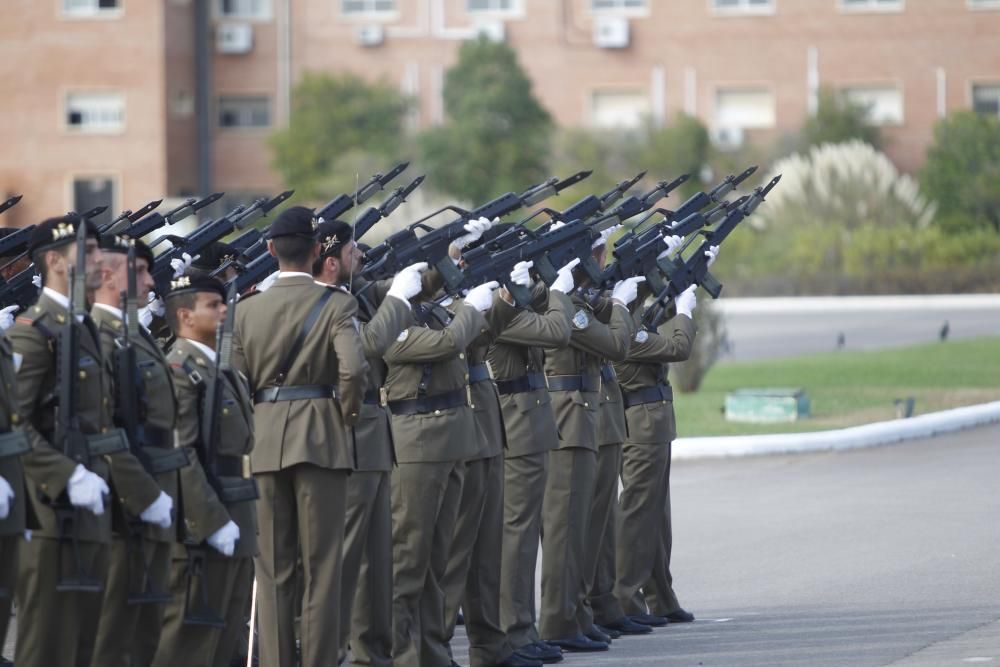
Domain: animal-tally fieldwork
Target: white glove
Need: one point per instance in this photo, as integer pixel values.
(27, 536)
(7, 317)
(556, 225)
(475, 229)
(672, 243)
(627, 290)
(266, 283)
(87, 490)
(181, 264)
(224, 539)
(406, 284)
(6, 496)
(712, 253)
(605, 235)
(36, 280)
(155, 305)
(158, 512)
(686, 301)
(145, 317)
(481, 296)
(521, 275)
(564, 279)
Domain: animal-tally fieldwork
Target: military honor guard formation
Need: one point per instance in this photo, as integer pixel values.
(266, 443)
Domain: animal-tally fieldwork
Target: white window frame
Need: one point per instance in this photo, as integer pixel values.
(516, 10)
(91, 12)
(266, 13)
(871, 7)
(744, 88)
(620, 9)
(99, 129)
(845, 88)
(370, 13)
(972, 91)
(982, 5)
(744, 9)
(225, 97)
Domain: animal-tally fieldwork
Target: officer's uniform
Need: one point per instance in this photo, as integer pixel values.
(227, 581)
(434, 432)
(641, 555)
(574, 379)
(517, 361)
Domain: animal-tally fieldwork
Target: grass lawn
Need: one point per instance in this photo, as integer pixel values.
(851, 388)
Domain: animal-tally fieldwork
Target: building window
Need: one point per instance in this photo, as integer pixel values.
(618, 5)
(621, 109)
(986, 99)
(871, 5)
(245, 9)
(492, 6)
(95, 112)
(743, 6)
(367, 7)
(984, 4)
(884, 103)
(91, 7)
(744, 109)
(244, 111)
(92, 191)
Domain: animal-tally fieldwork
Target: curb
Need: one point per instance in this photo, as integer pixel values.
(855, 437)
(843, 304)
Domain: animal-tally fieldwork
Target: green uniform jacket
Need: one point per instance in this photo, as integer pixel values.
(442, 435)
(611, 421)
(591, 341)
(311, 430)
(161, 408)
(204, 513)
(647, 366)
(485, 399)
(10, 420)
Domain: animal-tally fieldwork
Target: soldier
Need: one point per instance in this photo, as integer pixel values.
(299, 346)
(194, 308)
(67, 496)
(384, 311)
(574, 379)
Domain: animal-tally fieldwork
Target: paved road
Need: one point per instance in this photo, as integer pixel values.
(887, 556)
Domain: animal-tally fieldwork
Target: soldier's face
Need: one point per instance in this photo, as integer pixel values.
(350, 260)
(143, 281)
(209, 310)
(93, 263)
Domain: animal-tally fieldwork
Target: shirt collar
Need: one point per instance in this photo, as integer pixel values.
(111, 309)
(204, 349)
(61, 299)
(295, 274)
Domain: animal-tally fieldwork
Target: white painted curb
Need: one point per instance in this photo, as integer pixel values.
(843, 304)
(869, 435)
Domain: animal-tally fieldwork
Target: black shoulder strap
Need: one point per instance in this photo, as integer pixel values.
(301, 338)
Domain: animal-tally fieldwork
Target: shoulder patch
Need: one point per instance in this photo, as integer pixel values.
(641, 336)
(581, 320)
(403, 335)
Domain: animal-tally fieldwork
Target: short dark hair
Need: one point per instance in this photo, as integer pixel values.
(174, 303)
(38, 257)
(295, 250)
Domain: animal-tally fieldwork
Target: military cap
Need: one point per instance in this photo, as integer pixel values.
(333, 235)
(212, 257)
(112, 243)
(57, 232)
(195, 283)
(294, 221)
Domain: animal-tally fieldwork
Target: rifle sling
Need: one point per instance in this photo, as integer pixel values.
(307, 326)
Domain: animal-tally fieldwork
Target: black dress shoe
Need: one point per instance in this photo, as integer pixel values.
(515, 660)
(627, 626)
(597, 635)
(614, 634)
(650, 620)
(679, 616)
(541, 651)
(578, 644)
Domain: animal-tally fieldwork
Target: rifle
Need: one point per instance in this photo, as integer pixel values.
(11, 202)
(367, 220)
(682, 273)
(343, 203)
(15, 243)
(127, 217)
(141, 225)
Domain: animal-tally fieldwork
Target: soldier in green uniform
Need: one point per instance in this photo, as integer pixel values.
(299, 346)
(366, 588)
(194, 308)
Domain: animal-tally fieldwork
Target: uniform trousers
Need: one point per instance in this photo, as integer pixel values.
(9, 545)
(659, 590)
(366, 593)
(600, 604)
(300, 511)
(425, 498)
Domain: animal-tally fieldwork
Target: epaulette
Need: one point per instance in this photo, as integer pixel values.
(35, 317)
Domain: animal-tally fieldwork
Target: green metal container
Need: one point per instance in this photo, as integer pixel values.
(767, 405)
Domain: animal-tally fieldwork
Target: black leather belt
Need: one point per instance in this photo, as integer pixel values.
(529, 382)
(661, 392)
(608, 373)
(478, 373)
(299, 393)
(14, 443)
(417, 406)
(372, 397)
(228, 466)
(574, 383)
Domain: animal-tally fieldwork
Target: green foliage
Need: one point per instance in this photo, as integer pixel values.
(837, 120)
(497, 135)
(679, 148)
(340, 126)
(707, 348)
(962, 171)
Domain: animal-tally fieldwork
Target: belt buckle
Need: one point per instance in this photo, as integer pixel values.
(246, 467)
(383, 397)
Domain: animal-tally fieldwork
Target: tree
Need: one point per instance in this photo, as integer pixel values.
(679, 148)
(963, 169)
(496, 138)
(340, 126)
(838, 120)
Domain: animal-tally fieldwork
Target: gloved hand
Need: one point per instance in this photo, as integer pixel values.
(686, 301)
(406, 284)
(672, 243)
(556, 225)
(87, 490)
(6, 496)
(266, 283)
(564, 281)
(521, 275)
(181, 264)
(36, 280)
(155, 305)
(475, 229)
(158, 512)
(481, 296)
(7, 317)
(224, 539)
(712, 253)
(605, 235)
(627, 290)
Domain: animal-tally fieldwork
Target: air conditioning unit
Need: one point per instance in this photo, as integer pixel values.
(727, 138)
(370, 35)
(234, 38)
(611, 32)
(495, 31)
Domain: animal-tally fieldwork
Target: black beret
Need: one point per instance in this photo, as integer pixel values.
(211, 258)
(294, 221)
(333, 235)
(112, 243)
(57, 232)
(195, 283)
